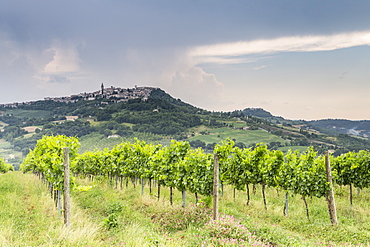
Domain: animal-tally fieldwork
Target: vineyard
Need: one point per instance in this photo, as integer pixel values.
(191, 171)
(5, 167)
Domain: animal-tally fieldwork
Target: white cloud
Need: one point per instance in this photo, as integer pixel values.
(175, 72)
(58, 63)
(226, 51)
(260, 67)
(65, 60)
(222, 60)
(196, 86)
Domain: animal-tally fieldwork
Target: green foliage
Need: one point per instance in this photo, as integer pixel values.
(5, 167)
(165, 123)
(11, 132)
(342, 127)
(198, 174)
(247, 137)
(161, 116)
(44, 105)
(24, 145)
(256, 112)
(304, 174)
(352, 143)
(178, 166)
(183, 168)
(91, 163)
(272, 166)
(69, 128)
(168, 167)
(197, 144)
(48, 156)
(115, 207)
(111, 222)
(311, 175)
(175, 166)
(352, 168)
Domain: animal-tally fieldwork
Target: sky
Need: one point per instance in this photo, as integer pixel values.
(297, 59)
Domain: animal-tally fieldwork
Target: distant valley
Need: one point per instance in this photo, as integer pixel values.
(359, 128)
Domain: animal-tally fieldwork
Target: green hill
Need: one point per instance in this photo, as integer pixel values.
(103, 120)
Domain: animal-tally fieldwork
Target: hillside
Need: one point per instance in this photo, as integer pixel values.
(359, 128)
(342, 126)
(108, 116)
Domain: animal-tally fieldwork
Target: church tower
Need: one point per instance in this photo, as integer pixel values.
(102, 88)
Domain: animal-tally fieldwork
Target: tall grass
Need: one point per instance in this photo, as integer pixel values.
(105, 216)
(295, 229)
(28, 216)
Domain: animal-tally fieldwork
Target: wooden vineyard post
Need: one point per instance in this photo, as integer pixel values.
(330, 196)
(183, 195)
(286, 204)
(215, 187)
(59, 205)
(142, 186)
(67, 201)
(171, 195)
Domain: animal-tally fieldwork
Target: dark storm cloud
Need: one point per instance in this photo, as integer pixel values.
(81, 43)
(163, 23)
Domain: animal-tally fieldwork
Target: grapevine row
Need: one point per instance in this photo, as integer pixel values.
(186, 169)
(5, 167)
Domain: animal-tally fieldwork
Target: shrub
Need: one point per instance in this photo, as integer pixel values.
(175, 219)
(116, 207)
(228, 231)
(111, 222)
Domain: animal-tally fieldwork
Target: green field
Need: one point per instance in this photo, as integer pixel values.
(6, 149)
(105, 216)
(28, 113)
(7, 152)
(299, 148)
(248, 137)
(2, 125)
(95, 141)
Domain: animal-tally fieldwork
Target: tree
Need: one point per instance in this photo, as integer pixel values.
(197, 144)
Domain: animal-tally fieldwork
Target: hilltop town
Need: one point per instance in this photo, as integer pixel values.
(114, 93)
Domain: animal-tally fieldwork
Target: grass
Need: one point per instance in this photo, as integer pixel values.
(272, 226)
(105, 216)
(125, 216)
(28, 216)
(295, 229)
